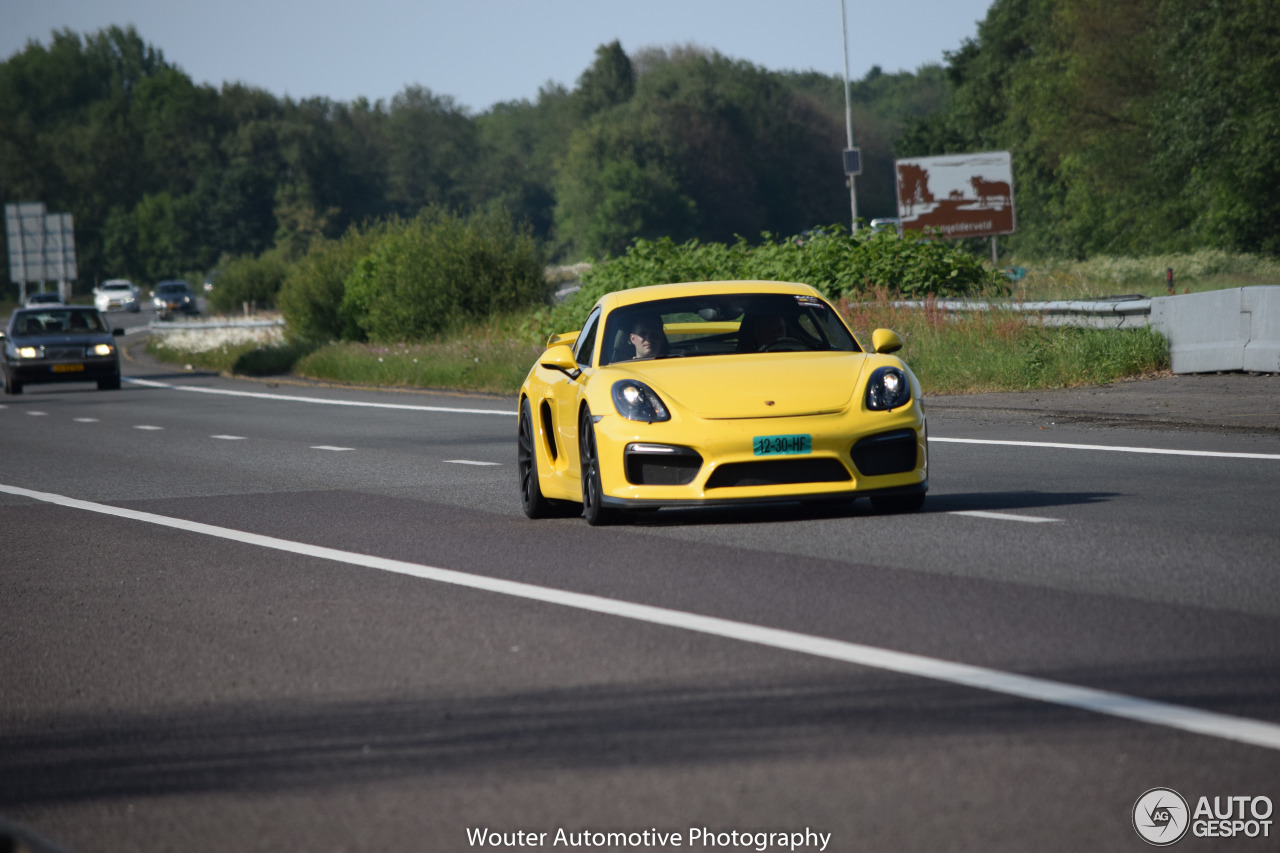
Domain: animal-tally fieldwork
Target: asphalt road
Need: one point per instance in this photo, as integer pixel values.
(256, 616)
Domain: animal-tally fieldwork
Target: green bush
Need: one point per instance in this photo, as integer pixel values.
(311, 296)
(836, 262)
(439, 272)
(248, 280)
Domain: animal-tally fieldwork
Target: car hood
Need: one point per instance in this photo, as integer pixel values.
(62, 340)
(757, 385)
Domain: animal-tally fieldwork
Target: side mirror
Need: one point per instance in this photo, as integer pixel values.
(885, 341)
(560, 357)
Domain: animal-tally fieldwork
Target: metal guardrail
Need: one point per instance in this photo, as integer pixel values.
(1118, 312)
(195, 325)
(1230, 330)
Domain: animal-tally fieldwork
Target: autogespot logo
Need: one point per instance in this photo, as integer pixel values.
(1160, 816)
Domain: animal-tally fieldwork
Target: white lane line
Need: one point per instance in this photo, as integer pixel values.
(1002, 516)
(295, 399)
(457, 410)
(37, 414)
(229, 437)
(148, 427)
(1208, 723)
(1155, 450)
(327, 447)
(470, 462)
(86, 420)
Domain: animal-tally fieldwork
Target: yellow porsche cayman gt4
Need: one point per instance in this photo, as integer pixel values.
(717, 393)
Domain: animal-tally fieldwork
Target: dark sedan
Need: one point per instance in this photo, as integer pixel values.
(171, 296)
(60, 344)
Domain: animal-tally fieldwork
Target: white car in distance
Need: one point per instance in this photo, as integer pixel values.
(116, 294)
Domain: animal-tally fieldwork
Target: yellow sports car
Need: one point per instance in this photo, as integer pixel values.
(717, 393)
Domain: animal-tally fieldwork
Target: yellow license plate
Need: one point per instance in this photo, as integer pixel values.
(68, 368)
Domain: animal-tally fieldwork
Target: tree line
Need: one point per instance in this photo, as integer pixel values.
(1139, 127)
(1136, 127)
(165, 176)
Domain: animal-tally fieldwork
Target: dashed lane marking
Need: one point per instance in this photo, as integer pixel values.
(1002, 516)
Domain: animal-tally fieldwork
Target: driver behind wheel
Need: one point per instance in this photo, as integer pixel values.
(648, 337)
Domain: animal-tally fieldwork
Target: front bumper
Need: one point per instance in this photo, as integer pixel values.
(38, 371)
(118, 305)
(721, 467)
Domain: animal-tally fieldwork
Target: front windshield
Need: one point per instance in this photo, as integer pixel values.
(724, 324)
(65, 321)
(173, 289)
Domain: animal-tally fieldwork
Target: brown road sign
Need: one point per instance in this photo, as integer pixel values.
(957, 195)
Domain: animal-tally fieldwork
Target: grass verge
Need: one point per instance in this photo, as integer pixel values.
(1007, 351)
(951, 354)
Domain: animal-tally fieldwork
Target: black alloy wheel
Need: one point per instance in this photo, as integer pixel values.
(593, 509)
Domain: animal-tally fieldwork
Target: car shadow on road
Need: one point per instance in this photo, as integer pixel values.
(934, 503)
(1008, 501)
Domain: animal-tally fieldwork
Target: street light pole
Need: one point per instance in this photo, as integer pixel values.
(852, 164)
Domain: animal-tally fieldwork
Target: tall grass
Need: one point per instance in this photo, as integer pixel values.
(1003, 350)
(1194, 272)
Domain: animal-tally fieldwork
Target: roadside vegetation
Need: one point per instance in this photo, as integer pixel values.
(406, 242)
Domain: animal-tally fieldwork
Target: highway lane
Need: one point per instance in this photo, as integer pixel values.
(177, 691)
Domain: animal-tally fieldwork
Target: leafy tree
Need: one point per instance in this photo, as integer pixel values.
(430, 146)
(609, 81)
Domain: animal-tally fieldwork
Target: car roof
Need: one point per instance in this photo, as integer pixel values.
(636, 295)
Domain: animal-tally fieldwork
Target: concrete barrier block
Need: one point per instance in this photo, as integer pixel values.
(1207, 332)
(1262, 353)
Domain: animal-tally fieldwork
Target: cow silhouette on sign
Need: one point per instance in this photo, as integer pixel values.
(988, 191)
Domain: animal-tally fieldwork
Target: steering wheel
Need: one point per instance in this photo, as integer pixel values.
(783, 345)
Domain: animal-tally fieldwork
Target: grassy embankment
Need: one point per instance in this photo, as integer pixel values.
(996, 350)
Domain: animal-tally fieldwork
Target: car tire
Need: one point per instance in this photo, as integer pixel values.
(110, 384)
(593, 509)
(895, 504)
(531, 497)
(11, 385)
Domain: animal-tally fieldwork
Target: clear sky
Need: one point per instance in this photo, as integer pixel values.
(484, 51)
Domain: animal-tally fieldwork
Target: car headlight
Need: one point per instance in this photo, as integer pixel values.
(888, 389)
(636, 401)
(28, 352)
(103, 349)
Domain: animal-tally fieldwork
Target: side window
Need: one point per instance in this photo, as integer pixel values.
(587, 340)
